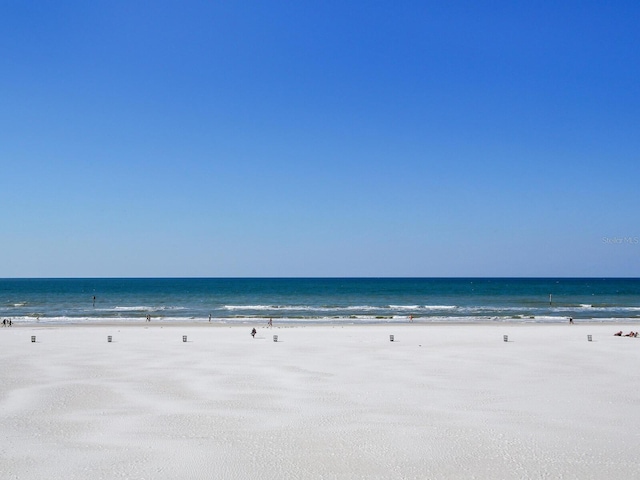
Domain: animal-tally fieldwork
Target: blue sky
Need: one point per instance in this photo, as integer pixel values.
(257, 138)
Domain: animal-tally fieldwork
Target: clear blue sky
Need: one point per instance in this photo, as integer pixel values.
(331, 138)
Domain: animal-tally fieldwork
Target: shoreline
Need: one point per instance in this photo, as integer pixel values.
(279, 323)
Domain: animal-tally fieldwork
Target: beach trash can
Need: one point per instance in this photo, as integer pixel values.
(33, 339)
(275, 338)
(589, 338)
(184, 338)
(505, 338)
(391, 338)
(109, 338)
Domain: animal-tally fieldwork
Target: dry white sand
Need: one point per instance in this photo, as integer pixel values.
(440, 402)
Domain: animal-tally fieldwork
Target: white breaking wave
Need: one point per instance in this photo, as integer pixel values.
(301, 308)
(266, 307)
(361, 308)
(133, 309)
(142, 308)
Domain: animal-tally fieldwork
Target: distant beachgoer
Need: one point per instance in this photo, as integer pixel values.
(253, 333)
(270, 323)
(411, 318)
(94, 300)
(209, 317)
(4, 322)
(630, 334)
(619, 334)
(10, 323)
(570, 320)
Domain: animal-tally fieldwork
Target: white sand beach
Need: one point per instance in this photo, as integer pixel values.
(324, 402)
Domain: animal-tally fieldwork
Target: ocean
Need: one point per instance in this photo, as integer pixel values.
(319, 300)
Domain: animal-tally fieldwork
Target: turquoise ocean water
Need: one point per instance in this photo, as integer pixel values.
(320, 300)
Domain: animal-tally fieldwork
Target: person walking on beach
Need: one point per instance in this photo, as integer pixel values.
(270, 323)
(253, 333)
(570, 320)
(209, 318)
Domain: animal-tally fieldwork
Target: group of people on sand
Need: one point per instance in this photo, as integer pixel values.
(254, 331)
(630, 334)
(6, 322)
